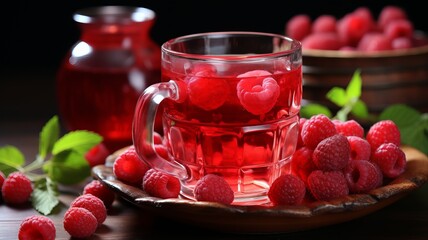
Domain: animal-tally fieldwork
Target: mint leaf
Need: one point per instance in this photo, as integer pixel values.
(11, 159)
(44, 197)
(401, 114)
(48, 136)
(338, 96)
(80, 141)
(353, 90)
(416, 135)
(313, 109)
(360, 110)
(67, 167)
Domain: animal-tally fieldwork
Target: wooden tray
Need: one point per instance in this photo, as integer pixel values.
(279, 219)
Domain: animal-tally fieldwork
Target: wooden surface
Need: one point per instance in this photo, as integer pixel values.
(405, 219)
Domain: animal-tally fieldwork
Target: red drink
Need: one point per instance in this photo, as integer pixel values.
(230, 103)
(250, 150)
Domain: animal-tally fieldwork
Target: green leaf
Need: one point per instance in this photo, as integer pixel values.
(48, 136)
(360, 110)
(313, 109)
(80, 141)
(401, 114)
(338, 96)
(68, 167)
(11, 159)
(45, 196)
(353, 90)
(416, 135)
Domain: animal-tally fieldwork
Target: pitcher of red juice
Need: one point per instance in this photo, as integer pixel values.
(231, 102)
(105, 72)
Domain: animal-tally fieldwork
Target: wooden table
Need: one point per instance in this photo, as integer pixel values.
(405, 219)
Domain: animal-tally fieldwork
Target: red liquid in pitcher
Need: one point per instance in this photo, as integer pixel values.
(101, 101)
(242, 126)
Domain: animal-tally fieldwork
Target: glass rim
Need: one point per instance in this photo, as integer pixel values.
(113, 14)
(296, 46)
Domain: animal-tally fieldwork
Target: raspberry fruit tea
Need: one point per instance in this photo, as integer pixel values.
(231, 108)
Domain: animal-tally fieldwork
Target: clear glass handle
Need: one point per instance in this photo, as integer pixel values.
(143, 127)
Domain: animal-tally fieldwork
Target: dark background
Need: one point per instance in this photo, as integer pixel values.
(36, 35)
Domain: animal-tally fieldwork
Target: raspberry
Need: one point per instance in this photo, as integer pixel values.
(362, 176)
(161, 150)
(16, 189)
(360, 148)
(97, 155)
(326, 186)
(204, 90)
(287, 189)
(298, 27)
(37, 227)
(384, 131)
(316, 129)
(213, 188)
(96, 188)
(332, 153)
(352, 27)
(161, 185)
(322, 41)
(349, 128)
(257, 91)
(2, 177)
(390, 159)
(324, 23)
(401, 43)
(399, 28)
(93, 204)
(129, 168)
(302, 164)
(80, 222)
(375, 41)
(390, 13)
(366, 13)
(299, 137)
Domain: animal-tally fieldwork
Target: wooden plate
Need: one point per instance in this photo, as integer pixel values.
(279, 219)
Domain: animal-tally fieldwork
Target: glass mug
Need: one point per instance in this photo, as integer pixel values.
(230, 103)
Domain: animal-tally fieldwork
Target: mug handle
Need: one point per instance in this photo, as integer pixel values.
(143, 126)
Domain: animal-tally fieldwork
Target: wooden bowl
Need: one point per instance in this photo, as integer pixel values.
(389, 77)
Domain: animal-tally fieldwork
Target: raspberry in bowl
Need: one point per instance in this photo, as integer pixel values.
(390, 53)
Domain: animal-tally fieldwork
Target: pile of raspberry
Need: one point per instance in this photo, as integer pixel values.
(335, 158)
(358, 30)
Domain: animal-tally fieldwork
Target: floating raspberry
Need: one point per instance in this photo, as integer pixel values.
(161, 185)
(332, 153)
(96, 188)
(390, 159)
(302, 164)
(129, 168)
(316, 129)
(360, 148)
(213, 188)
(16, 189)
(97, 155)
(257, 91)
(207, 91)
(384, 131)
(326, 186)
(80, 222)
(287, 189)
(362, 176)
(349, 128)
(298, 27)
(37, 227)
